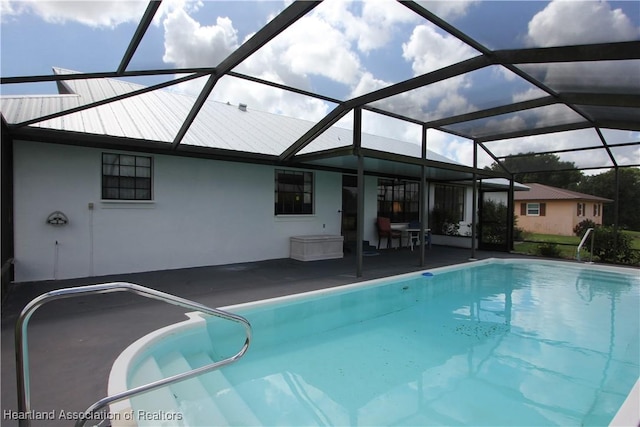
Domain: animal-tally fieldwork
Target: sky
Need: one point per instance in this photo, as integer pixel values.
(372, 44)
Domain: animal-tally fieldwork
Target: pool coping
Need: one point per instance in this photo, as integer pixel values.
(628, 413)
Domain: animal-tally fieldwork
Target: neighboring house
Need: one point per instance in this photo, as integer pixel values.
(104, 191)
(550, 210)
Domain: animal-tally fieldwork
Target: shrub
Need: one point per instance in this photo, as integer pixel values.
(583, 226)
(445, 223)
(494, 221)
(519, 234)
(613, 247)
(550, 250)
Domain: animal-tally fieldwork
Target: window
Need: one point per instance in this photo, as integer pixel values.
(533, 209)
(581, 209)
(596, 209)
(126, 177)
(399, 200)
(294, 192)
(449, 199)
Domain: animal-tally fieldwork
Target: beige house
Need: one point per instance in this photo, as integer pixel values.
(550, 210)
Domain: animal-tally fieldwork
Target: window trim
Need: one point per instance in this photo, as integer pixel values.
(530, 208)
(312, 192)
(120, 201)
(542, 208)
(461, 206)
(404, 201)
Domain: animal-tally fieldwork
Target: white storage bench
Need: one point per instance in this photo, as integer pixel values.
(316, 247)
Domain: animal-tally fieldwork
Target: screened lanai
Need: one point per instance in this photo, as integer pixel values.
(478, 81)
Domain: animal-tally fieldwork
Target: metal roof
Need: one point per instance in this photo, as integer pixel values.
(590, 84)
(546, 192)
(157, 116)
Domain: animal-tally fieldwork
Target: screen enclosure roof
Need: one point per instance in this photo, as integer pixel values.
(575, 96)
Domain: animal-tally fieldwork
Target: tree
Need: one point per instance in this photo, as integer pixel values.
(542, 169)
(604, 185)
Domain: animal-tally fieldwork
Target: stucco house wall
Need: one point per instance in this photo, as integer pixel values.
(560, 218)
(560, 209)
(204, 212)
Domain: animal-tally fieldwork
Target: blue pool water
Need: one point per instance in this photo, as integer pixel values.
(502, 343)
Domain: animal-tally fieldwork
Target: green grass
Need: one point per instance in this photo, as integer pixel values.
(635, 242)
(567, 245)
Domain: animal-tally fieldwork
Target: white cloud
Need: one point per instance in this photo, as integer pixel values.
(381, 19)
(292, 58)
(189, 44)
(531, 93)
(368, 83)
(370, 30)
(568, 23)
(429, 50)
(90, 13)
(448, 9)
(572, 22)
(303, 49)
(10, 9)
(451, 146)
(300, 53)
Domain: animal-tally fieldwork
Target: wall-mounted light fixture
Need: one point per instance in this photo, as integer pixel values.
(57, 218)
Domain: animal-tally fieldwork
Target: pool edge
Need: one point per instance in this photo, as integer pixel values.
(627, 415)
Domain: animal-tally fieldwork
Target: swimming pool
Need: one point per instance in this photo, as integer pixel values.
(494, 342)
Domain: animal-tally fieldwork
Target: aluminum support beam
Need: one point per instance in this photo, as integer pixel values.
(567, 150)
(407, 85)
(357, 150)
(336, 114)
(195, 109)
(276, 26)
(474, 202)
(423, 202)
(146, 20)
(531, 132)
(107, 100)
(590, 52)
(510, 211)
(491, 112)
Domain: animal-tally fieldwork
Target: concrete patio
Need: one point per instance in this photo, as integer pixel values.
(73, 342)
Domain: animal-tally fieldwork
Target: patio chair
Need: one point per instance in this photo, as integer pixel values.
(383, 226)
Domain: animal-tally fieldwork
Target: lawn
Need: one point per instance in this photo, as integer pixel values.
(567, 245)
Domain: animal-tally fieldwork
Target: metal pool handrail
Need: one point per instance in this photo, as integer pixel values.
(583, 241)
(22, 354)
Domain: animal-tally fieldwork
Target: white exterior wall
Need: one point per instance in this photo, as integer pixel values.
(204, 212)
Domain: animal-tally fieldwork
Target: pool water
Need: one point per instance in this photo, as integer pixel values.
(501, 343)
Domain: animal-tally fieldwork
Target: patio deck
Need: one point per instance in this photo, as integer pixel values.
(74, 342)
